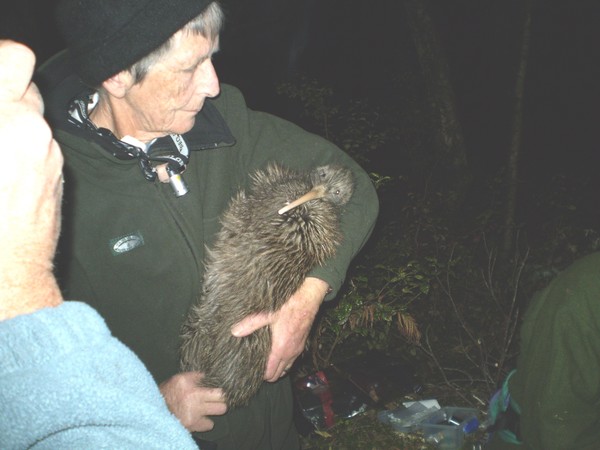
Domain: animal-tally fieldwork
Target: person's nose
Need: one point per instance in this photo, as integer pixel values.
(209, 83)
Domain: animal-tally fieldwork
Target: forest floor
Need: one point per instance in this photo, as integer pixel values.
(365, 431)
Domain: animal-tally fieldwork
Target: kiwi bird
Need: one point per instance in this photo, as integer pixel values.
(272, 235)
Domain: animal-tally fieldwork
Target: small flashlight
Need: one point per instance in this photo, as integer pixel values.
(177, 182)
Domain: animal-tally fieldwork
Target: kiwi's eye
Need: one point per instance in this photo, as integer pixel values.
(337, 192)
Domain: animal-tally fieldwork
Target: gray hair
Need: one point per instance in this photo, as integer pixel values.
(209, 24)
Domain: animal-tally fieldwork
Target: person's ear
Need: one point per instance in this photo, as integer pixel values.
(119, 84)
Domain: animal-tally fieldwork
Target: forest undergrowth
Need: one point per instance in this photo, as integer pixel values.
(436, 287)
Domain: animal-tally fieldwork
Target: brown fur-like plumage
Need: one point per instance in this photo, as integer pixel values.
(259, 259)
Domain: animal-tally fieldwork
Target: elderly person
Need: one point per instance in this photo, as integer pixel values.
(65, 382)
(154, 150)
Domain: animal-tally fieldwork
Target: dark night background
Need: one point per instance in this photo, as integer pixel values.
(361, 48)
(365, 51)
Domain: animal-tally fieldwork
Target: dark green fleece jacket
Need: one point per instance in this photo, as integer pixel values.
(134, 251)
(557, 382)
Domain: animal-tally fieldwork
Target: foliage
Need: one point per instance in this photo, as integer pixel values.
(315, 99)
(355, 125)
(431, 284)
(370, 308)
(430, 292)
(364, 432)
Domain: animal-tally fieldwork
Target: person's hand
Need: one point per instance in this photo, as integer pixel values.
(30, 189)
(290, 326)
(193, 404)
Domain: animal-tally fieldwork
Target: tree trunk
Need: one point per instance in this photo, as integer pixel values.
(449, 135)
(514, 150)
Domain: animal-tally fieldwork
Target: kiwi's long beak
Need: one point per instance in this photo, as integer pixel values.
(316, 192)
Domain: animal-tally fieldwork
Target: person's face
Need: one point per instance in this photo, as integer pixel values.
(174, 90)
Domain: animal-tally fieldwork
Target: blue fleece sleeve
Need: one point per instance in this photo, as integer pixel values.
(65, 382)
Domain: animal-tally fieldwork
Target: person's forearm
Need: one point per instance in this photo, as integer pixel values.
(317, 288)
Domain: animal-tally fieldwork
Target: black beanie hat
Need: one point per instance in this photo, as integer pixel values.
(105, 37)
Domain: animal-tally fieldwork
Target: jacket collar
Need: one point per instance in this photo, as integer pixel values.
(209, 131)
